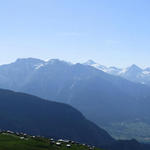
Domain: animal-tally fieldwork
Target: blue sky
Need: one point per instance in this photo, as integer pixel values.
(111, 32)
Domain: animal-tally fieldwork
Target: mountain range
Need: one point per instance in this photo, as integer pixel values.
(112, 102)
(133, 73)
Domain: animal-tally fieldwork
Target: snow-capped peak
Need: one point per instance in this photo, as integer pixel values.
(90, 62)
(96, 65)
(51, 62)
(134, 68)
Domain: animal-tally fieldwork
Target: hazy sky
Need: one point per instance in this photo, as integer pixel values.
(111, 32)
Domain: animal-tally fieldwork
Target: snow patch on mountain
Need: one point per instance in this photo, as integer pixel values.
(39, 66)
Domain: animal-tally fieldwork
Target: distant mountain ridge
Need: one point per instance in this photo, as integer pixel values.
(132, 73)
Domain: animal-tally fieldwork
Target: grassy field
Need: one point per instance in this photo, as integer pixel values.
(17, 142)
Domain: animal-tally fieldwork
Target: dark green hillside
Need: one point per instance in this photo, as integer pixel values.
(20, 141)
